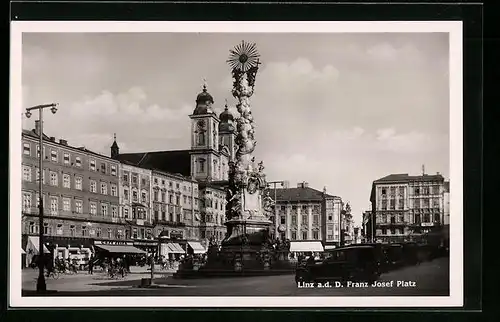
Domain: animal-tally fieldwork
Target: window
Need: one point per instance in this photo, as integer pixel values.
(384, 191)
(113, 170)
(329, 237)
(393, 191)
(103, 167)
(66, 204)
(125, 194)
(143, 181)
(47, 229)
(170, 199)
(184, 198)
(125, 177)
(92, 165)
(304, 235)
(26, 149)
(384, 231)
(93, 186)
(163, 197)
(401, 218)
(104, 188)
(177, 200)
(436, 218)
(78, 161)
(179, 218)
(93, 208)
(114, 211)
(294, 208)
(72, 230)
(294, 220)
(401, 204)
(427, 217)
(66, 181)
(59, 229)
(26, 173)
(315, 234)
(104, 209)
(110, 233)
(435, 203)
(425, 190)
(79, 206)
(303, 208)
(53, 156)
(32, 227)
(201, 165)
(163, 215)
(316, 209)
(330, 217)
(53, 178)
(425, 203)
(26, 202)
(66, 159)
(384, 204)
(177, 186)
(134, 179)
(417, 191)
(125, 213)
(201, 137)
(155, 195)
(135, 196)
(436, 190)
(98, 232)
(155, 180)
(134, 233)
(417, 219)
(156, 214)
(316, 219)
(114, 190)
(78, 183)
(54, 205)
(143, 197)
(393, 220)
(84, 231)
(304, 220)
(393, 204)
(294, 235)
(119, 233)
(417, 203)
(393, 231)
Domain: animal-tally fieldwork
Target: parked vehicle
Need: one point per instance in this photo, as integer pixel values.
(350, 263)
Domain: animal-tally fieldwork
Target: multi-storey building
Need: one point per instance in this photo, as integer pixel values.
(446, 196)
(80, 196)
(368, 227)
(207, 161)
(306, 214)
(135, 205)
(405, 206)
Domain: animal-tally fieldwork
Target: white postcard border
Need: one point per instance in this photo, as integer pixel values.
(454, 28)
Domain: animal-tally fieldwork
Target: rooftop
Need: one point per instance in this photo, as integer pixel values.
(399, 177)
(172, 162)
(298, 194)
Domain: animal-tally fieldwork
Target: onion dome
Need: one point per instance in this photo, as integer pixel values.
(203, 102)
(226, 116)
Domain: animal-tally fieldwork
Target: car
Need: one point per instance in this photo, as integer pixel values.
(351, 263)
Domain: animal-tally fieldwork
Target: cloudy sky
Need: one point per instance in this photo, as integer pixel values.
(336, 110)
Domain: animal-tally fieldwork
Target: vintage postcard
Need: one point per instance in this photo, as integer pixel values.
(236, 164)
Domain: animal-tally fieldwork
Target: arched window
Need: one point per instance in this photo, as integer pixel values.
(201, 165)
(201, 137)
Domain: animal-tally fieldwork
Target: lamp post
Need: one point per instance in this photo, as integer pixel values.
(274, 183)
(41, 286)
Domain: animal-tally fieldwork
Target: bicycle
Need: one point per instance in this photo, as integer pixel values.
(53, 273)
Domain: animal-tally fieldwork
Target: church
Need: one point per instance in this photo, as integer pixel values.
(207, 161)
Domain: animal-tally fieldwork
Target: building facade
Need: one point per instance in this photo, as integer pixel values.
(80, 196)
(304, 213)
(406, 206)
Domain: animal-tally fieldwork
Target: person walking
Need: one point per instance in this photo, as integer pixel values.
(91, 264)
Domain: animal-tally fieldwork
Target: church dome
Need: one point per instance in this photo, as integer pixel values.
(204, 97)
(226, 116)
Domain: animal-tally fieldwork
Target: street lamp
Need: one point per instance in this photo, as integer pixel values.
(41, 286)
(274, 183)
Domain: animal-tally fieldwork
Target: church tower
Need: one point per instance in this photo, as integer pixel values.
(115, 150)
(205, 154)
(227, 133)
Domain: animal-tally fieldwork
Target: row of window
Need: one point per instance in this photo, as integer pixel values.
(417, 203)
(305, 235)
(303, 208)
(171, 184)
(416, 190)
(163, 195)
(162, 216)
(304, 220)
(66, 181)
(54, 157)
(67, 205)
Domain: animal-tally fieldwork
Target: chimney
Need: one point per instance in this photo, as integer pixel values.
(37, 127)
(63, 142)
(52, 139)
(437, 173)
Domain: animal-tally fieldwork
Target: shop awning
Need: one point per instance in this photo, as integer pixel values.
(175, 248)
(33, 243)
(306, 246)
(121, 249)
(22, 251)
(197, 247)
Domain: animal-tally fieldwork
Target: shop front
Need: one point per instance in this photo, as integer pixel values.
(303, 247)
(195, 247)
(32, 250)
(148, 246)
(76, 250)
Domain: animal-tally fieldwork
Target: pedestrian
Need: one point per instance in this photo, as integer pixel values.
(91, 264)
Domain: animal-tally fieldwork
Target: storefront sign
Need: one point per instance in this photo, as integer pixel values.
(145, 244)
(427, 224)
(113, 242)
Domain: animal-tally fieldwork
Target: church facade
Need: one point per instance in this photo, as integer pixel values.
(206, 162)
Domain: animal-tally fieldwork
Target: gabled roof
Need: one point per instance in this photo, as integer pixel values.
(177, 161)
(298, 194)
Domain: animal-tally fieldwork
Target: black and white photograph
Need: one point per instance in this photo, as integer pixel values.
(261, 164)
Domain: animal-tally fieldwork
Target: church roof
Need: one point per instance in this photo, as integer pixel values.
(176, 161)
